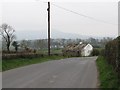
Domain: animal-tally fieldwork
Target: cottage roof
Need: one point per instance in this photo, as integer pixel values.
(75, 47)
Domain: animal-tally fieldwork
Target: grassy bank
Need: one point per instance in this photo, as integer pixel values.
(107, 76)
(0, 65)
(15, 63)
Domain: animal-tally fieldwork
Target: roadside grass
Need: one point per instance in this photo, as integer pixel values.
(15, 63)
(107, 76)
(0, 65)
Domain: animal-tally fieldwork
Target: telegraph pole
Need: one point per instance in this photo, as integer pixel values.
(48, 28)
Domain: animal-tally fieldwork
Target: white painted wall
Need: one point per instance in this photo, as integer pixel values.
(87, 50)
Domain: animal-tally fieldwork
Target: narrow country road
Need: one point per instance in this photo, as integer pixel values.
(78, 72)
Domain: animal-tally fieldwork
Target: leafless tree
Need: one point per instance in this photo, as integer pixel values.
(7, 33)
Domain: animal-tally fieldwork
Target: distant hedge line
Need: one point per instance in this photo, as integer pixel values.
(112, 54)
(24, 55)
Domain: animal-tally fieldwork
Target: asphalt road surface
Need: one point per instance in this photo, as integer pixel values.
(78, 72)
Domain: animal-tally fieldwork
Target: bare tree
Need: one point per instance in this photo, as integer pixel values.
(7, 33)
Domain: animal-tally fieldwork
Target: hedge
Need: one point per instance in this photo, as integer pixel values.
(112, 54)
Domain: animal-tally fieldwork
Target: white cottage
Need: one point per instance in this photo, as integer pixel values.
(78, 49)
(87, 50)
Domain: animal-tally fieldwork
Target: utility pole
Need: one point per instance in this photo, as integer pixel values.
(48, 28)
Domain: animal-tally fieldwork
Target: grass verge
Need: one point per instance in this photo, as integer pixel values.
(107, 76)
(15, 63)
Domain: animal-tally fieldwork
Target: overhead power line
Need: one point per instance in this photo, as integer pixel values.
(89, 17)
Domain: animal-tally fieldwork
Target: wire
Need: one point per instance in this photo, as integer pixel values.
(82, 15)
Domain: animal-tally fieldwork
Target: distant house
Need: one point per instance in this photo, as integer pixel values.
(87, 50)
(78, 49)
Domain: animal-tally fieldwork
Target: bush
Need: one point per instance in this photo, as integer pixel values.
(112, 54)
(95, 52)
(102, 52)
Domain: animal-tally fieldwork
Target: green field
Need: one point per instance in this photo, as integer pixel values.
(107, 76)
(15, 63)
(53, 51)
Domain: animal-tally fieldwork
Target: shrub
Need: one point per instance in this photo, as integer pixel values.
(102, 52)
(112, 54)
(95, 52)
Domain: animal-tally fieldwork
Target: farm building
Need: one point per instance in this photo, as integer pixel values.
(80, 49)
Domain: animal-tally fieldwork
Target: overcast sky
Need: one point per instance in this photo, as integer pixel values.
(33, 16)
